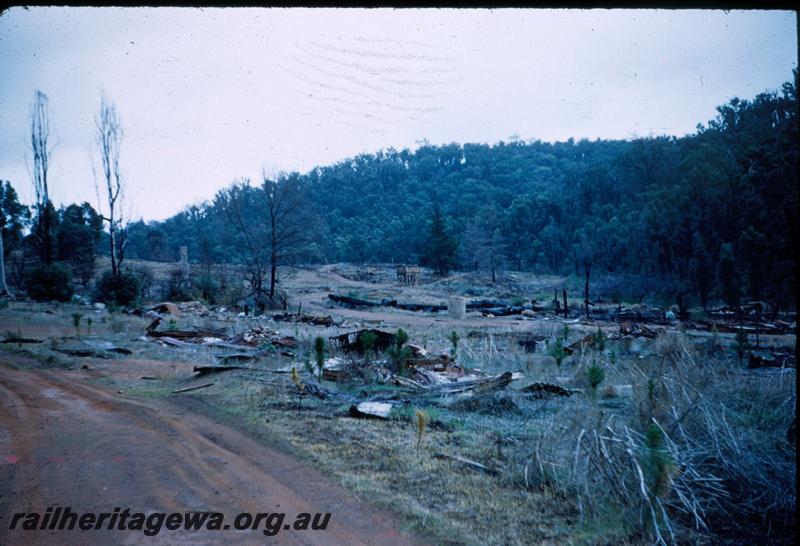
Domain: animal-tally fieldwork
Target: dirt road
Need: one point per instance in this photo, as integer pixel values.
(64, 442)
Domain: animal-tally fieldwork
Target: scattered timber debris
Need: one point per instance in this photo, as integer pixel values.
(306, 319)
(770, 359)
(766, 328)
(251, 340)
(628, 328)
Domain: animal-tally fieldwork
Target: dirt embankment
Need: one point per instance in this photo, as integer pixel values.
(64, 442)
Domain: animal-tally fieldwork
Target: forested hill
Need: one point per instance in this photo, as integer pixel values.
(711, 212)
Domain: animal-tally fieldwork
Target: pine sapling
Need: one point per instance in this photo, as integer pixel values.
(557, 351)
(367, 338)
(76, 322)
(319, 354)
(454, 342)
(600, 340)
(596, 374)
(741, 343)
(398, 352)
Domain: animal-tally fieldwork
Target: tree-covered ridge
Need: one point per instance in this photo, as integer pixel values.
(675, 211)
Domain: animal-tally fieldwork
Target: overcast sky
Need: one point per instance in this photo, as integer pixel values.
(207, 96)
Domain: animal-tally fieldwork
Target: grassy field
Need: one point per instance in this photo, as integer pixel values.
(669, 447)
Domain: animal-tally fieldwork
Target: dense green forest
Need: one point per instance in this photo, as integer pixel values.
(709, 216)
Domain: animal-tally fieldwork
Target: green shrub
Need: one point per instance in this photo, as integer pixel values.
(557, 351)
(207, 289)
(120, 290)
(367, 338)
(595, 374)
(600, 340)
(454, 342)
(50, 282)
(398, 352)
(178, 287)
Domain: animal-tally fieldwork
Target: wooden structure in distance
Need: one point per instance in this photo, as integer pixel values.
(408, 274)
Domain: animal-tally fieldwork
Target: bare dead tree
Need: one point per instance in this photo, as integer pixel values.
(4, 291)
(239, 204)
(41, 150)
(108, 138)
(289, 222)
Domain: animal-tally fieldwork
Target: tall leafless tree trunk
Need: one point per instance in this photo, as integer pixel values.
(289, 224)
(108, 137)
(40, 150)
(237, 202)
(4, 291)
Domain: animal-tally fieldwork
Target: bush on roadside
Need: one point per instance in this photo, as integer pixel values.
(120, 290)
(50, 283)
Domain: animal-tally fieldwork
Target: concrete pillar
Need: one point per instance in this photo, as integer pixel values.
(184, 250)
(457, 307)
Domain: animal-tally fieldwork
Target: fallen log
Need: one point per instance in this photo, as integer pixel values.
(198, 387)
(541, 390)
(476, 305)
(186, 334)
(207, 370)
(307, 319)
(466, 462)
(503, 311)
(15, 339)
(353, 302)
(426, 307)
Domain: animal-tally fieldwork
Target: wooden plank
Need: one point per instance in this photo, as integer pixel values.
(466, 462)
(198, 387)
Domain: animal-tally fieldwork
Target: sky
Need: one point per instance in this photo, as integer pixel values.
(209, 96)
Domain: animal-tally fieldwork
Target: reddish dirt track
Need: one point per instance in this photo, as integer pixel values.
(64, 442)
